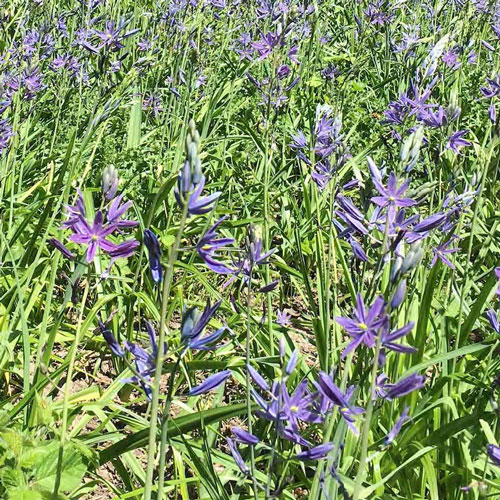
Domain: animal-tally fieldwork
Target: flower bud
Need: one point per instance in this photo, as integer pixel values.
(492, 113)
(185, 178)
(109, 182)
(197, 174)
(282, 347)
(413, 258)
(399, 295)
(192, 127)
(192, 153)
(405, 149)
(396, 268)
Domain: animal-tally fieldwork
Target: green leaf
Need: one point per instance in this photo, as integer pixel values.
(72, 470)
(179, 426)
(469, 349)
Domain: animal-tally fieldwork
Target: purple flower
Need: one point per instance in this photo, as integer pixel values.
(493, 89)
(391, 436)
(282, 72)
(266, 44)
(197, 204)
(94, 236)
(117, 210)
(333, 394)
(210, 383)
(298, 406)
(113, 344)
(434, 120)
(493, 319)
(451, 60)
(238, 459)
(283, 318)
(257, 378)
(154, 251)
(111, 36)
(388, 340)
(193, 325)
(399, 295)
(62, 248)
(493, 452)
(145, 363)
(244, 437)
(365, 325)
(456, 141)
(404, 386)
(392, 196)
(269, 287)
(441, 251)
(209, 244)
(316, 453)
(5, 135)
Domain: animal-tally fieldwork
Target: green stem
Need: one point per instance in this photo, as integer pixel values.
(69, 377)
(366, 425)
(248, 382)
(148, 486)
(164, 427)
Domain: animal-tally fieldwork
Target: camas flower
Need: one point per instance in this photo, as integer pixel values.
(493, 452)
(365, 325)
(401, 388)
(441, 251)
(154, 250)
(316, 453)
(238, 459)
(391, 436)
(193, 325)
(283, 318)
(457, 141)
(333, 394)
(197, 204)
(209, 244)
(96, 235)
(393, 195)
(493, 319)
(145, 362)
(109, 337)
(244, 437)
(210, 383)
(389, 338)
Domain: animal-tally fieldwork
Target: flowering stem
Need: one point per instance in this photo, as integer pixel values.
(148, 486)
(369, 410)
(366, 425)
(329, 426)
(164, 426)
(248, 394)
(69, 377)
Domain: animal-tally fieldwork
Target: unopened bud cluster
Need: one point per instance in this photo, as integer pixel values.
(191, 174)
(410, 150)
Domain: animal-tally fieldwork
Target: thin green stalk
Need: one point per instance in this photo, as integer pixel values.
(69, 377)
(248, 382)
(148, 486)
(366, 425)
(164, 427)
